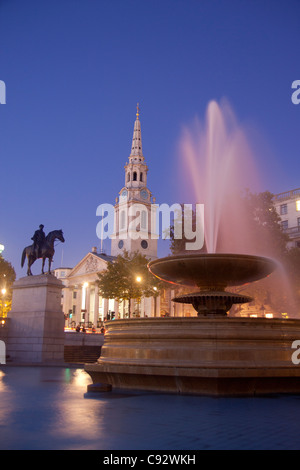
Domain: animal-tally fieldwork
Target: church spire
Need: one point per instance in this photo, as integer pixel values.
(136, 147)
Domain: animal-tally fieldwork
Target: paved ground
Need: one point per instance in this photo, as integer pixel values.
(48, 408)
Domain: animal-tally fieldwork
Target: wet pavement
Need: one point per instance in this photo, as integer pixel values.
(49, 408)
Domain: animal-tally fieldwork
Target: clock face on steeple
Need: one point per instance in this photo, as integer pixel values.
(144, 194)
(124, 193)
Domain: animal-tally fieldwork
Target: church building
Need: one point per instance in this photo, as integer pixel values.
(132, 232)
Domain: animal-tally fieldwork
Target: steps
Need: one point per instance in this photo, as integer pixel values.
(81, 354)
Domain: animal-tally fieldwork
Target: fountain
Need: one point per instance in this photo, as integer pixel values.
(212, 353)
(212, 273)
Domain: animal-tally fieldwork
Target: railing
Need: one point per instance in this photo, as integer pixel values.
(287, 195)
(293, 231)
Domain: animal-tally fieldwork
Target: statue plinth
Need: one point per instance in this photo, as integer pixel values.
(36, 330)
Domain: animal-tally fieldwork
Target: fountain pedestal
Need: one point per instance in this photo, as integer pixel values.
(36, 320)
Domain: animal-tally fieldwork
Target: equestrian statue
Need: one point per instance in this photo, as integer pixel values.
(42, 247)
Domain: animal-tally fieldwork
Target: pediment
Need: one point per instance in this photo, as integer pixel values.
(88, 265)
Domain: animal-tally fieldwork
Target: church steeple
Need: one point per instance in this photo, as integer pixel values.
(136, 147)
(136, 168)
(133, 209)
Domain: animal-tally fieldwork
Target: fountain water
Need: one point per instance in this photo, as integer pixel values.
(218, 165)
(211, 353)
(218, 160)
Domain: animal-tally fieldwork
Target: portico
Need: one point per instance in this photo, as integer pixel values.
(81, 302)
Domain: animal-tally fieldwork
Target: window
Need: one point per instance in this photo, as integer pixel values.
(134, 176)
(284, 224)
(141, 178)
(283, 209)
(74, 294)
(298, 205)
(128, 177)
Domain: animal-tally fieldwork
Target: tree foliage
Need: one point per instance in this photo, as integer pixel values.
(178, 245)
(7, 278)
(265, 222)
(128, 277)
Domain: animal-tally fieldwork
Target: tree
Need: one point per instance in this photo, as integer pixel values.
(128, 277)
(259, 232)
(7, 278)
(178, 245)
(265, 222)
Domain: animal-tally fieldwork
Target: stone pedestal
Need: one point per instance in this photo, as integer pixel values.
(36, 329)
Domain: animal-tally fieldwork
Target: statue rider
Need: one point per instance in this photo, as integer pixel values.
(38, 240)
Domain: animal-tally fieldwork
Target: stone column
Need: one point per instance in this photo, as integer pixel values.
(158, 306)
(105, 308)
(96, 305)
(87, 304)
(78, 305)
(116, 308)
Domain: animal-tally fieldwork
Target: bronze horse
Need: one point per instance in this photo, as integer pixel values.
(46, 251)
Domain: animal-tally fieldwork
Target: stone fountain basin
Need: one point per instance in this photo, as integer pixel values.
(212, 270)
(202, 355)
(220, 356)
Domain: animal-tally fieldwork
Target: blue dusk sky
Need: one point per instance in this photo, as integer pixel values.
(74, 71)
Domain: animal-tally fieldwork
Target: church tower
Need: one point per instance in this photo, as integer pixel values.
(135, 208)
